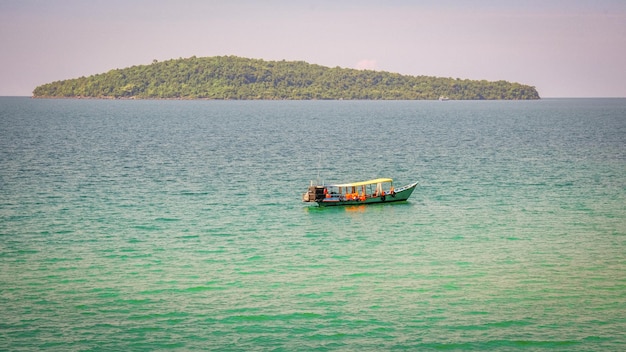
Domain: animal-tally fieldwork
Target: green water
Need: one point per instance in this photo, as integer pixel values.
(151, 225)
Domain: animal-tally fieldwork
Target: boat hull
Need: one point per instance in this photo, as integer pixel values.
(401, 194)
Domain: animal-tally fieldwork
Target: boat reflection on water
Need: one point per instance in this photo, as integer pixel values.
(355, 208)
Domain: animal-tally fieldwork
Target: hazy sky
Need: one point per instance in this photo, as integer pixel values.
(565, 48)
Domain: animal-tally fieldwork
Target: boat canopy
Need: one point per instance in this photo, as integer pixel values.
(362, 183)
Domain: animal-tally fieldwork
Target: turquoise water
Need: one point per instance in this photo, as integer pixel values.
(149, 225)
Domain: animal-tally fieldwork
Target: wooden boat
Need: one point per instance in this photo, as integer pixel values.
(379, 190)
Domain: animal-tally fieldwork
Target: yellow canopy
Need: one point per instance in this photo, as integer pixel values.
(362, 183)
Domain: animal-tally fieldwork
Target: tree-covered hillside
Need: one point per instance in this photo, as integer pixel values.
(230, 77)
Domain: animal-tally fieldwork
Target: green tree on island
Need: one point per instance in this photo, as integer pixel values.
(231, 77)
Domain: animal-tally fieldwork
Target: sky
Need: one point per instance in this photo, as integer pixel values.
(565, 48)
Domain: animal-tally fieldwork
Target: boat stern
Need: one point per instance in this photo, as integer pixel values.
(314, 194)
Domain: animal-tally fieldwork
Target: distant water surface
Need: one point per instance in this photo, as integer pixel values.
(150, 225)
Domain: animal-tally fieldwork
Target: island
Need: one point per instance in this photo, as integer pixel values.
(237, 78)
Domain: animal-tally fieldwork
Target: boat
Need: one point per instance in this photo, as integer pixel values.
(378, 190)
(443, 98)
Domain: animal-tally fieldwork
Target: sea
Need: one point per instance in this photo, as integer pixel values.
(136, 225)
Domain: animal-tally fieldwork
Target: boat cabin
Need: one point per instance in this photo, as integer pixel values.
(356, 191)
(360, 190)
